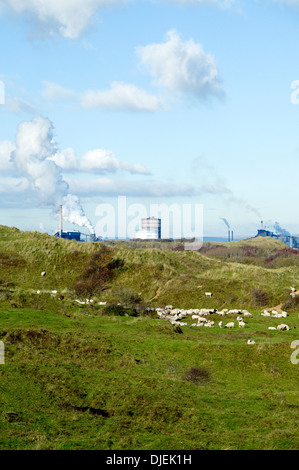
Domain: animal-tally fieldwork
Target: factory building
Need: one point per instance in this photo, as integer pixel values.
(150, 229)
(74, 234)
(289, 240)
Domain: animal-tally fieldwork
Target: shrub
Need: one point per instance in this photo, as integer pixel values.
(118, 310)
(259, 297)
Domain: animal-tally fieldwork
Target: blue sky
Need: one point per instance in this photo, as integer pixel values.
(161, 101)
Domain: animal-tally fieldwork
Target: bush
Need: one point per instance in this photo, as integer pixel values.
(259, 297)
(118, 310)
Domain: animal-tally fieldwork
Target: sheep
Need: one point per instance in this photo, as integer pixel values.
(230, 325)
(283, 327)
(208, 294)
(247, 314)
(202, 319)
(266, 314)
(241, 324)
(220, 324)
(43, 273)
(239, 319)
(200, 324)
(250, 341)
(271, 328)
(210, 324)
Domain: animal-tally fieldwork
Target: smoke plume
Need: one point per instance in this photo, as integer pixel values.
(226, 222)
(34, 150)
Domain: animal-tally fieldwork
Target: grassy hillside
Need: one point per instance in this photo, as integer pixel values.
(159, 275)
(77, 378)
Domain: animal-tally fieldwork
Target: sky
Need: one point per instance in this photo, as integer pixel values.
(180, 103)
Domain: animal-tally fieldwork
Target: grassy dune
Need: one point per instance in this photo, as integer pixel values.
(75, 378)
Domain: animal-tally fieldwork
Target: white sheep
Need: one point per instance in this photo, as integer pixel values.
(247, 314)
(271, 328)
(220, 324)
(250, 341)
(43, 273)
(208, 294)
(266, 314)
(283, 327)
(241, 324)
(230, 325)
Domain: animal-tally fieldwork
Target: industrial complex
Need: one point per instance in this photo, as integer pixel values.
(291, 241)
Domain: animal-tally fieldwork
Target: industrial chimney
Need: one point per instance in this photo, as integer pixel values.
(229, 235)
(232, 236)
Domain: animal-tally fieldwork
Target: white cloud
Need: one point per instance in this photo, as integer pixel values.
(70, 18)
(182, 66)
(95, 161)
(110, 187)
(6, 147)
(121, 96)
(53, 92)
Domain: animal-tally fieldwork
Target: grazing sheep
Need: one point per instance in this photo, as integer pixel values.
(271, 328)
(230, 325)
(200, 323)
(283, 327)
(202, 319)
(208, 294)
(43, 273)
(247, 314)
(266, 314)
(241, 324)
(239, 319)
(250, 341)
(220, 324)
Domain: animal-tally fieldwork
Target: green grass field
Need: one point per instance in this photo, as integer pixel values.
(75, 378)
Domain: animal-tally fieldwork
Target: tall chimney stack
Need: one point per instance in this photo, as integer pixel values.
(232, 236)
(60, 221)
(229, 235)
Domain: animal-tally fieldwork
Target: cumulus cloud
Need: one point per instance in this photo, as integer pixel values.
(182, 66)
(70, 18)
(121, 96)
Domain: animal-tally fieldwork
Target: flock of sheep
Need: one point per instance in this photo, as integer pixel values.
(176, 315)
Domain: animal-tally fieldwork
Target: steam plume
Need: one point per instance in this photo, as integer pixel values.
(35, 145)
(226, 222)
